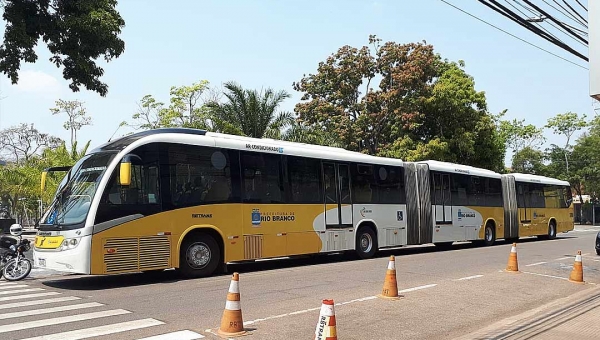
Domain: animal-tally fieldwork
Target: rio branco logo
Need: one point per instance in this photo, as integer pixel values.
(255, 217)
(468, 214)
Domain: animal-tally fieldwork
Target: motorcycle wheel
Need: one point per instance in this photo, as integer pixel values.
(14, 271)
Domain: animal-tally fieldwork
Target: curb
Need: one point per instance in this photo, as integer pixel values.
(536, 318)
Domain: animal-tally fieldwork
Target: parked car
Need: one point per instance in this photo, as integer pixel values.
(598, 243)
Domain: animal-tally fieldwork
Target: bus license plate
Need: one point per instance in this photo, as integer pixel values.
(42, 262)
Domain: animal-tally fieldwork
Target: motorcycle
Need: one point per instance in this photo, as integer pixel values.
(14, 266)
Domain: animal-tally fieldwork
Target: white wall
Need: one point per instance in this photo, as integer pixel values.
(594, 47)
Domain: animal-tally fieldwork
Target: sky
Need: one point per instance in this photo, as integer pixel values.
(269, 43)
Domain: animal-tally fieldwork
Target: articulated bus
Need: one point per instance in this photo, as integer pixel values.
(195, 201)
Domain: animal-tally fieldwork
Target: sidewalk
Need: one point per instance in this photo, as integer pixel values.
(573, 317)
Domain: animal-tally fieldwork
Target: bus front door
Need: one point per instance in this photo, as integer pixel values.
(338, 207)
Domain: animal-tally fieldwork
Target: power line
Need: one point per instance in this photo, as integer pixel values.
(514, 36)
(568, 15)
(537, 24)
(556, 21)
(574, 11)
(554, 25)
(580, 4)
(494, 5)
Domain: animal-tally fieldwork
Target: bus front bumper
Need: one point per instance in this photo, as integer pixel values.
(76, 260)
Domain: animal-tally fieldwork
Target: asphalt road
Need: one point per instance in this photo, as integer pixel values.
(445, 294)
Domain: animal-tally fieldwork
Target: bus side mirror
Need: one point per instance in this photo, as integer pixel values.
(43, 182)
(125, 168)
(125, 173)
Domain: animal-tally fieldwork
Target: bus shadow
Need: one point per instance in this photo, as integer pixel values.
(104, 282)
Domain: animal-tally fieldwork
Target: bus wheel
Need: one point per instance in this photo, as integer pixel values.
(200, 256)
(366, 243)
(552, 230)
(489, 238)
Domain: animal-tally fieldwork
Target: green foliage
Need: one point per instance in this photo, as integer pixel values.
(77, 116)
(519, 136)
(529, 161)
(77, 33)
(422, 106)
(187, 108)
(251, 113)
(567, 124)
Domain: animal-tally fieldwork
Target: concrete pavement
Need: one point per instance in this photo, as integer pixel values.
(446, 294)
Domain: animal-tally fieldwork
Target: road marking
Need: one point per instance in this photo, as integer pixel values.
(416, 288)
(100, 330)
(305, 311)
(13, 287)
(181, 335)
(535, 264)
(357, 300)
(49, 310)
(7, 284)
(562, 258)
(552, 276)
(586, 254)
(38, 302)
(6, 292)
(60, 320)
(18, 297)
(468, 278)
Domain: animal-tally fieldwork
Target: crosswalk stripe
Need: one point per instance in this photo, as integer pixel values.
(60, 320)
(38, 302)
(27, 296)
(7, 283)
(49, 310)
(180, 335)
(100, 330)
(13, 287)
(21, 291)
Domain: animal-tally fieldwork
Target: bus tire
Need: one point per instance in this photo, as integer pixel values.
(199, 256)
(552, 230)
(366, 243)
(489, 236)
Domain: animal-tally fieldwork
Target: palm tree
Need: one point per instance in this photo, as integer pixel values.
(250, 112)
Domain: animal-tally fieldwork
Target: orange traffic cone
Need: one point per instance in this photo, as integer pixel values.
(326, 326)
(390, 285)
(231, 322)
(577, 272)
(513, 265)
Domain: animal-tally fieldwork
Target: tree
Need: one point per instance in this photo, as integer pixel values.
(77, 116)
(149, 114)
(77, 33)
(251, 113)
(529, 161)
(20, 143)
(187, 108)
(519, 136)
(567, 124)
(400, 100)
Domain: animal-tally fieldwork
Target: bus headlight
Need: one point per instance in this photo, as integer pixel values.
(70, 243)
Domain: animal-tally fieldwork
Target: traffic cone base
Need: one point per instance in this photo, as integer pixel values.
(577, 272)
(390, 284)
(513, 265)
(232, 323)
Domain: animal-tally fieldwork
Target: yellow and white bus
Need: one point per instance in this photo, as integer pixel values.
(195, 200)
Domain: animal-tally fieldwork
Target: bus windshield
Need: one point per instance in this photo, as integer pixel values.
(76, 191)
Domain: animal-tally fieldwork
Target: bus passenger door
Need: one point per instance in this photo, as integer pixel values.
(445, 230)
(338, 207)
(443, 204)
(524, 207)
